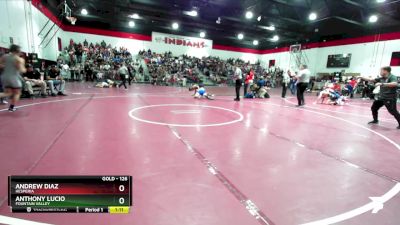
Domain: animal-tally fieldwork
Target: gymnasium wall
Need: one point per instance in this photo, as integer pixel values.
(367, 58)
(22, 22)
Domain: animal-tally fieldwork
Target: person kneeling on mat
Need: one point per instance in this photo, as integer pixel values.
(200, 92)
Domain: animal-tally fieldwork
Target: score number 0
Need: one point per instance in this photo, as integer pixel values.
(121, 188)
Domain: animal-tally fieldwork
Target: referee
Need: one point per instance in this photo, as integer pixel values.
(303, 79)
(387, 96)
(237, 77)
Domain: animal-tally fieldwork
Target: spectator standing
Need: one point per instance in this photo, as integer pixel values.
(353, 84)
(123, 73)
(132, 74)
(248, 81)
(285, 83)
(292, 84)
(88, 72)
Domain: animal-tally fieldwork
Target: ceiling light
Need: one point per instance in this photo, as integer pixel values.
(192, 13)
(84, 12)
(255, 42)
(271, 28)
(312, 16)
(175, 26)
(373, 18)
(240, 36)
(131, 23)
(249, 14)
(380, 1)
(275, 38)
(259, 18)
(134, 16)
(202, 34)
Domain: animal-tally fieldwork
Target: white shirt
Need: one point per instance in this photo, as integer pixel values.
(304, 76)
(107, 67)
(123, 70)
(65, 67)
(238, 74)
(286, 78)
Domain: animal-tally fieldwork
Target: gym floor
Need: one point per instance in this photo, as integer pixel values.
(210, 162)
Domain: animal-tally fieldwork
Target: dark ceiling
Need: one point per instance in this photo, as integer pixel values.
(337, 19)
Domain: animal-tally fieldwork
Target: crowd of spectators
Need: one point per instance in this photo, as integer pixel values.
(101, 61)
(165, 68)
(44, 77)
(90, 62)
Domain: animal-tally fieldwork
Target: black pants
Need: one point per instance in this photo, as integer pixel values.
(391, 106)
(131, 77)
(238, 85)
(367, 92)
(123, 78)
(89, 76)
(301, 88)
(284, 89)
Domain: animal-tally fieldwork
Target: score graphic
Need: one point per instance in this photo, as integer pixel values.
(70, 194)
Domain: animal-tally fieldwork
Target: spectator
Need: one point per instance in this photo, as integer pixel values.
(353, 84)
(248, 81)
(88, 72)
(123, 73)
(33, 78)
(285, 83)
(54, 79)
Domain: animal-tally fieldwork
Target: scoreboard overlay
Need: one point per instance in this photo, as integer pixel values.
(70, 194)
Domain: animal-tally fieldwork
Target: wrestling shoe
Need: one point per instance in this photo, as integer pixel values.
(373, 122)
